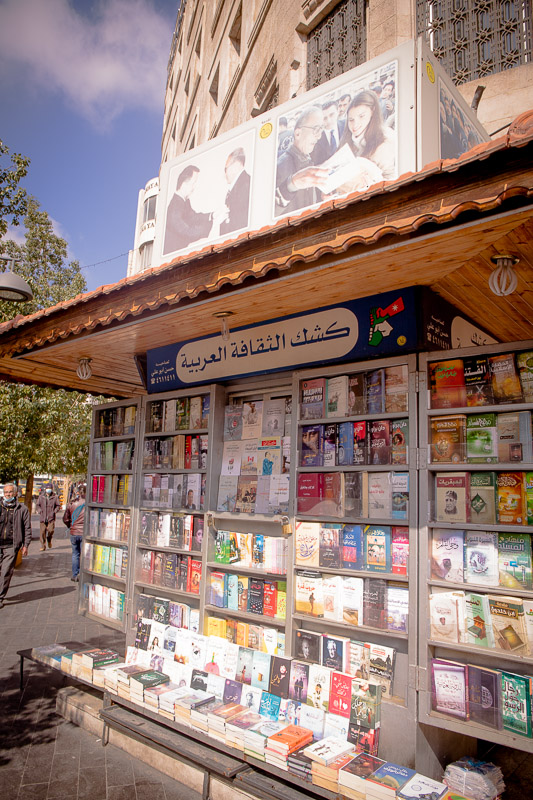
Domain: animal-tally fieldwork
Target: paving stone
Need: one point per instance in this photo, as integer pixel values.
(121, 792)
(33, 791)
(92, 784)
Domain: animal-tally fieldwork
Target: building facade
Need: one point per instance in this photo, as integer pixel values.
(232, 61)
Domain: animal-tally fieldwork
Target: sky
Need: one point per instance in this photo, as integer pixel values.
(82, 87)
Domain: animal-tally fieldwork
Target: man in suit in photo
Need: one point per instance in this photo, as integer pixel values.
(328, 143)
(238, 194)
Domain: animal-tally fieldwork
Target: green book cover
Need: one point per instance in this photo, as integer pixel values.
(516, 703)
(514, 555)
(478, 622)
(529, 497)
(481, 439)
(483, 495)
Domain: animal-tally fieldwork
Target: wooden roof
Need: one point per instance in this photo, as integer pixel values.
(438, 228)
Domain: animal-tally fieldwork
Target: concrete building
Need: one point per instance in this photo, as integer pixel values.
(231, 61)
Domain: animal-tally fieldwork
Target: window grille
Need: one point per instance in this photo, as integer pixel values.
(338, 43)
(475, 38)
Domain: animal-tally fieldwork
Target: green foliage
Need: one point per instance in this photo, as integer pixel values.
(41, 430)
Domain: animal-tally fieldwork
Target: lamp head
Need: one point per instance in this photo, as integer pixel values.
(12, 287)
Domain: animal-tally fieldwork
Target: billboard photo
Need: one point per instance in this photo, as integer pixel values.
(344, 141)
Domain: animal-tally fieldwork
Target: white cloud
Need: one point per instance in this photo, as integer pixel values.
(15, 233)
(103, 65)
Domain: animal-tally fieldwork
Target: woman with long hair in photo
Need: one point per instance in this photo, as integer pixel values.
(368, 137)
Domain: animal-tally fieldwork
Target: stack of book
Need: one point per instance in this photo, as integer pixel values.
(255, 738)
(420, 787)
(387, 780)
(300, 764)
(110, 677)
(168, 699)
(352, 776)
(200, 712)
(123, 678)
(84, 661)
(328, 756)
(184, 703)
(50, 654)
(153, 694)
(237, 726)
(218, 717)
(281, 744)
(143, 680)
(327, 775)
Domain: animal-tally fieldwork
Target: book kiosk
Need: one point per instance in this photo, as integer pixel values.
(292, 515)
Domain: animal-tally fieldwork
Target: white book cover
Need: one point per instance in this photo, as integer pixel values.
(352, 600)
(163, 530)
(444, 610)
(318, 686)
(528, 623)
(198, 655)
(249, 457)
(231, 458)
(379, 495)
(332, 592)
(274, 417)
(307, 541)
(447, 557)
(252, 419)
(335, 725)
(227, 492)
(313, 719)
(262, 495)
(278, 498)
(481, 558)
(337, 396)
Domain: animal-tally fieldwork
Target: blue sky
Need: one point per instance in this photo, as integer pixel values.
(81, 94)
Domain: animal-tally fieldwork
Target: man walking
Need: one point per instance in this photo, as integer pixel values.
(15, 533)
(47, 505)
(73, 518)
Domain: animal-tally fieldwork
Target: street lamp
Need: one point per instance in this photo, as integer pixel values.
(12, 287)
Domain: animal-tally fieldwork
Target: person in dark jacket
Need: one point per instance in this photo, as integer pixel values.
(47, 505)
(15, 533)
(74, 518)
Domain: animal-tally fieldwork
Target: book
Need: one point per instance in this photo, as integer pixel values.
(327, 750)
(252, 419)
(312, 439)
(360, 443)
(233, 422)
(354, 774)
(510, 498)
(478, 381)
(445, 609)
(231, 458)
(352, 547)
(352, 601)
(269, 456)
(379, 448)
(505, 380)
(307, 542)
(419, 787)
(484, 696)
(312, 398)
(481, 558)
(507, 617)
(452, 495)
(356, 494)
(379, 495)
(483, 496)
(388, 779)
(514, 436)
(246, 493)
(514, 557)
(516, 703)
(399, 432)
(273, 417)
(357, 394)
(318, 688)
(365, 707)
(377, 548)
(310, 492)
(335, 652)
(337, 396)
(340, 695)
(400, 495)
(308, 646)
(329, 445)
(524, 362)
(481, 439)
(345, 444)
(397, 603)
(261, 670)
(447, 384)
(400, 550)
(478, 625)
(375, 603)
(396, 388)
(308, 598)
(227, 492)
(375, 391)
(329, 553)
(449, 694)
(332, 594)
(280, 668)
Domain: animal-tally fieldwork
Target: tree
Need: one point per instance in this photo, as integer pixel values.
(41, 430)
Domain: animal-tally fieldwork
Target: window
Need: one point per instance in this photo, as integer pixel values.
(236, 31)
(145, 253)
(213, 89)
(337, 44)
(474, 38)
(149, 209)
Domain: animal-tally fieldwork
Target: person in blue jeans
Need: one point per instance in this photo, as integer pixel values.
(74, 518)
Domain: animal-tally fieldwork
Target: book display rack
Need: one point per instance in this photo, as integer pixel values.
(105, 556)
(476, 656)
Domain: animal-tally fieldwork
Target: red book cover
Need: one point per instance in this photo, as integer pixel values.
(310, 491)
(187, 560)
(270, 598)
(94, 495)
(340, 695)
(195, 575)
(359, 442)
(400, 550)
(101, 488)
(333, 494)
(447, 384)
(188, 452)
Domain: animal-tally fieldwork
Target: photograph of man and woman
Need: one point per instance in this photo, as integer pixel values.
(209, 195)
(457, 133)
(344, 141)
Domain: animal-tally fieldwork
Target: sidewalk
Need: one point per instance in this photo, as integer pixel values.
(41, 755)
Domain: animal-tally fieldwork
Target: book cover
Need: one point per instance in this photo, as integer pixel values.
(444, 624)
(377, 544)
(308, 646)
(375, 391)
(447, 384)
(375, 603)
(365, 707)
(252, 419)
(524, 362)
(356, 494)
(312, 398)
(319, 685)
(514, 551)
(400, 495)
(340, 693)
(481, 439)
(269, 456)
(507, 617)
(280, 669)
(478, 625)
(334, 652)
(273, 417)
(270, 593)
(483, 496)
(329, 546)
(332, 594)
(449, 688)
(419, 787)
(311, 444)
(261, 670)
(307, 542)
(380, 442)
(278, 495)
(299, 680)
(528, 493)
(484, 696)
(329, 445)
(452, 495)
(352, 601)
(357, 394)
(396, 388)
(400, 550)
(255, 596)
(231, 458)
(447, 439)
(514, 436)
(399, 429)
(355, 773)
(397, 608)
(309, 492)
(379, 495)
(227, 492)
(481, 558)
(246, 493)
(505, 380)
(352, 547)
(308, 598)
(360, 443)
(510, 497)
(337, 396)
(392, 777)
(516, 703)
(233, 422)
(478, 381)
(345, 444)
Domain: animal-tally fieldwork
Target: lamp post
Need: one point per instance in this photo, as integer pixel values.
(13, 288)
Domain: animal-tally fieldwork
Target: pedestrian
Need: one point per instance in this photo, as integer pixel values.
(47, 505)
(15, 533)
(73, 518)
